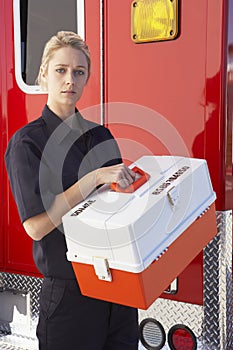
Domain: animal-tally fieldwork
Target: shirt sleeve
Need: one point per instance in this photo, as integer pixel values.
(107, 149)
(27, 175)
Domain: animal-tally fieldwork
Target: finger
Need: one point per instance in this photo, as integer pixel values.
(124, 174)
(123, 183)
(132, 173)
(129, 175)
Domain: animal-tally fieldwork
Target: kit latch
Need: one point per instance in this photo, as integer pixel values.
(102, 268)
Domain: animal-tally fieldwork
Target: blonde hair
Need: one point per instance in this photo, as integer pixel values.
(63, 39)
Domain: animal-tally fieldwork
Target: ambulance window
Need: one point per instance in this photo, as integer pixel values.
(34, 23)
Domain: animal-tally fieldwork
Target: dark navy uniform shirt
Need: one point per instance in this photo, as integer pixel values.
(43, 159)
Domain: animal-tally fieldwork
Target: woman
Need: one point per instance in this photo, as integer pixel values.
(54, 163)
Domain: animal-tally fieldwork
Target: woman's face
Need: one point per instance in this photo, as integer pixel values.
(65, 78)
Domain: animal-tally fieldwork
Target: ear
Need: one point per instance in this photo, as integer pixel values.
(43, 72)
(43, 78)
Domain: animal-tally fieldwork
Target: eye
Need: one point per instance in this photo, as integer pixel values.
(79, 72)
(60, 70)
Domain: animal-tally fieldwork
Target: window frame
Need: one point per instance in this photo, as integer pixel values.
(35, 89)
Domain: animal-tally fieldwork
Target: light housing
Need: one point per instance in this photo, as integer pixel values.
(181, 337)
(152, 334)
(154, 20)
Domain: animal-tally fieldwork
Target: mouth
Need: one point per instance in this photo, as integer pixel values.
(68, 92)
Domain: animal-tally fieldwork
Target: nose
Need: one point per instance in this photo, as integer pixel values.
(69, 78)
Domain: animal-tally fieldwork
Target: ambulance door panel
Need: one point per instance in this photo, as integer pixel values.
(36, 22)
(155, 96)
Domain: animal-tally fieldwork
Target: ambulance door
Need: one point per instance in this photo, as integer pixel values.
(163, 96)
(29, 25)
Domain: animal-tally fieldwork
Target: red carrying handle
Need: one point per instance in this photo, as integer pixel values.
(135, 185)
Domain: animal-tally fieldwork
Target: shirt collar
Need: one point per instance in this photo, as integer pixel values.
(74, 124)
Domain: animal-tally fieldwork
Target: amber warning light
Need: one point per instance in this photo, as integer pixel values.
(154, 20)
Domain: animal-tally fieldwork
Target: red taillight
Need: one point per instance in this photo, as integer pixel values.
(181, 337)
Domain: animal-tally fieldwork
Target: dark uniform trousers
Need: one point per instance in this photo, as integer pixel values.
(70, 321)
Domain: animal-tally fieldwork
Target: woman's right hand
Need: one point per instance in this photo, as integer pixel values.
(119, 173)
